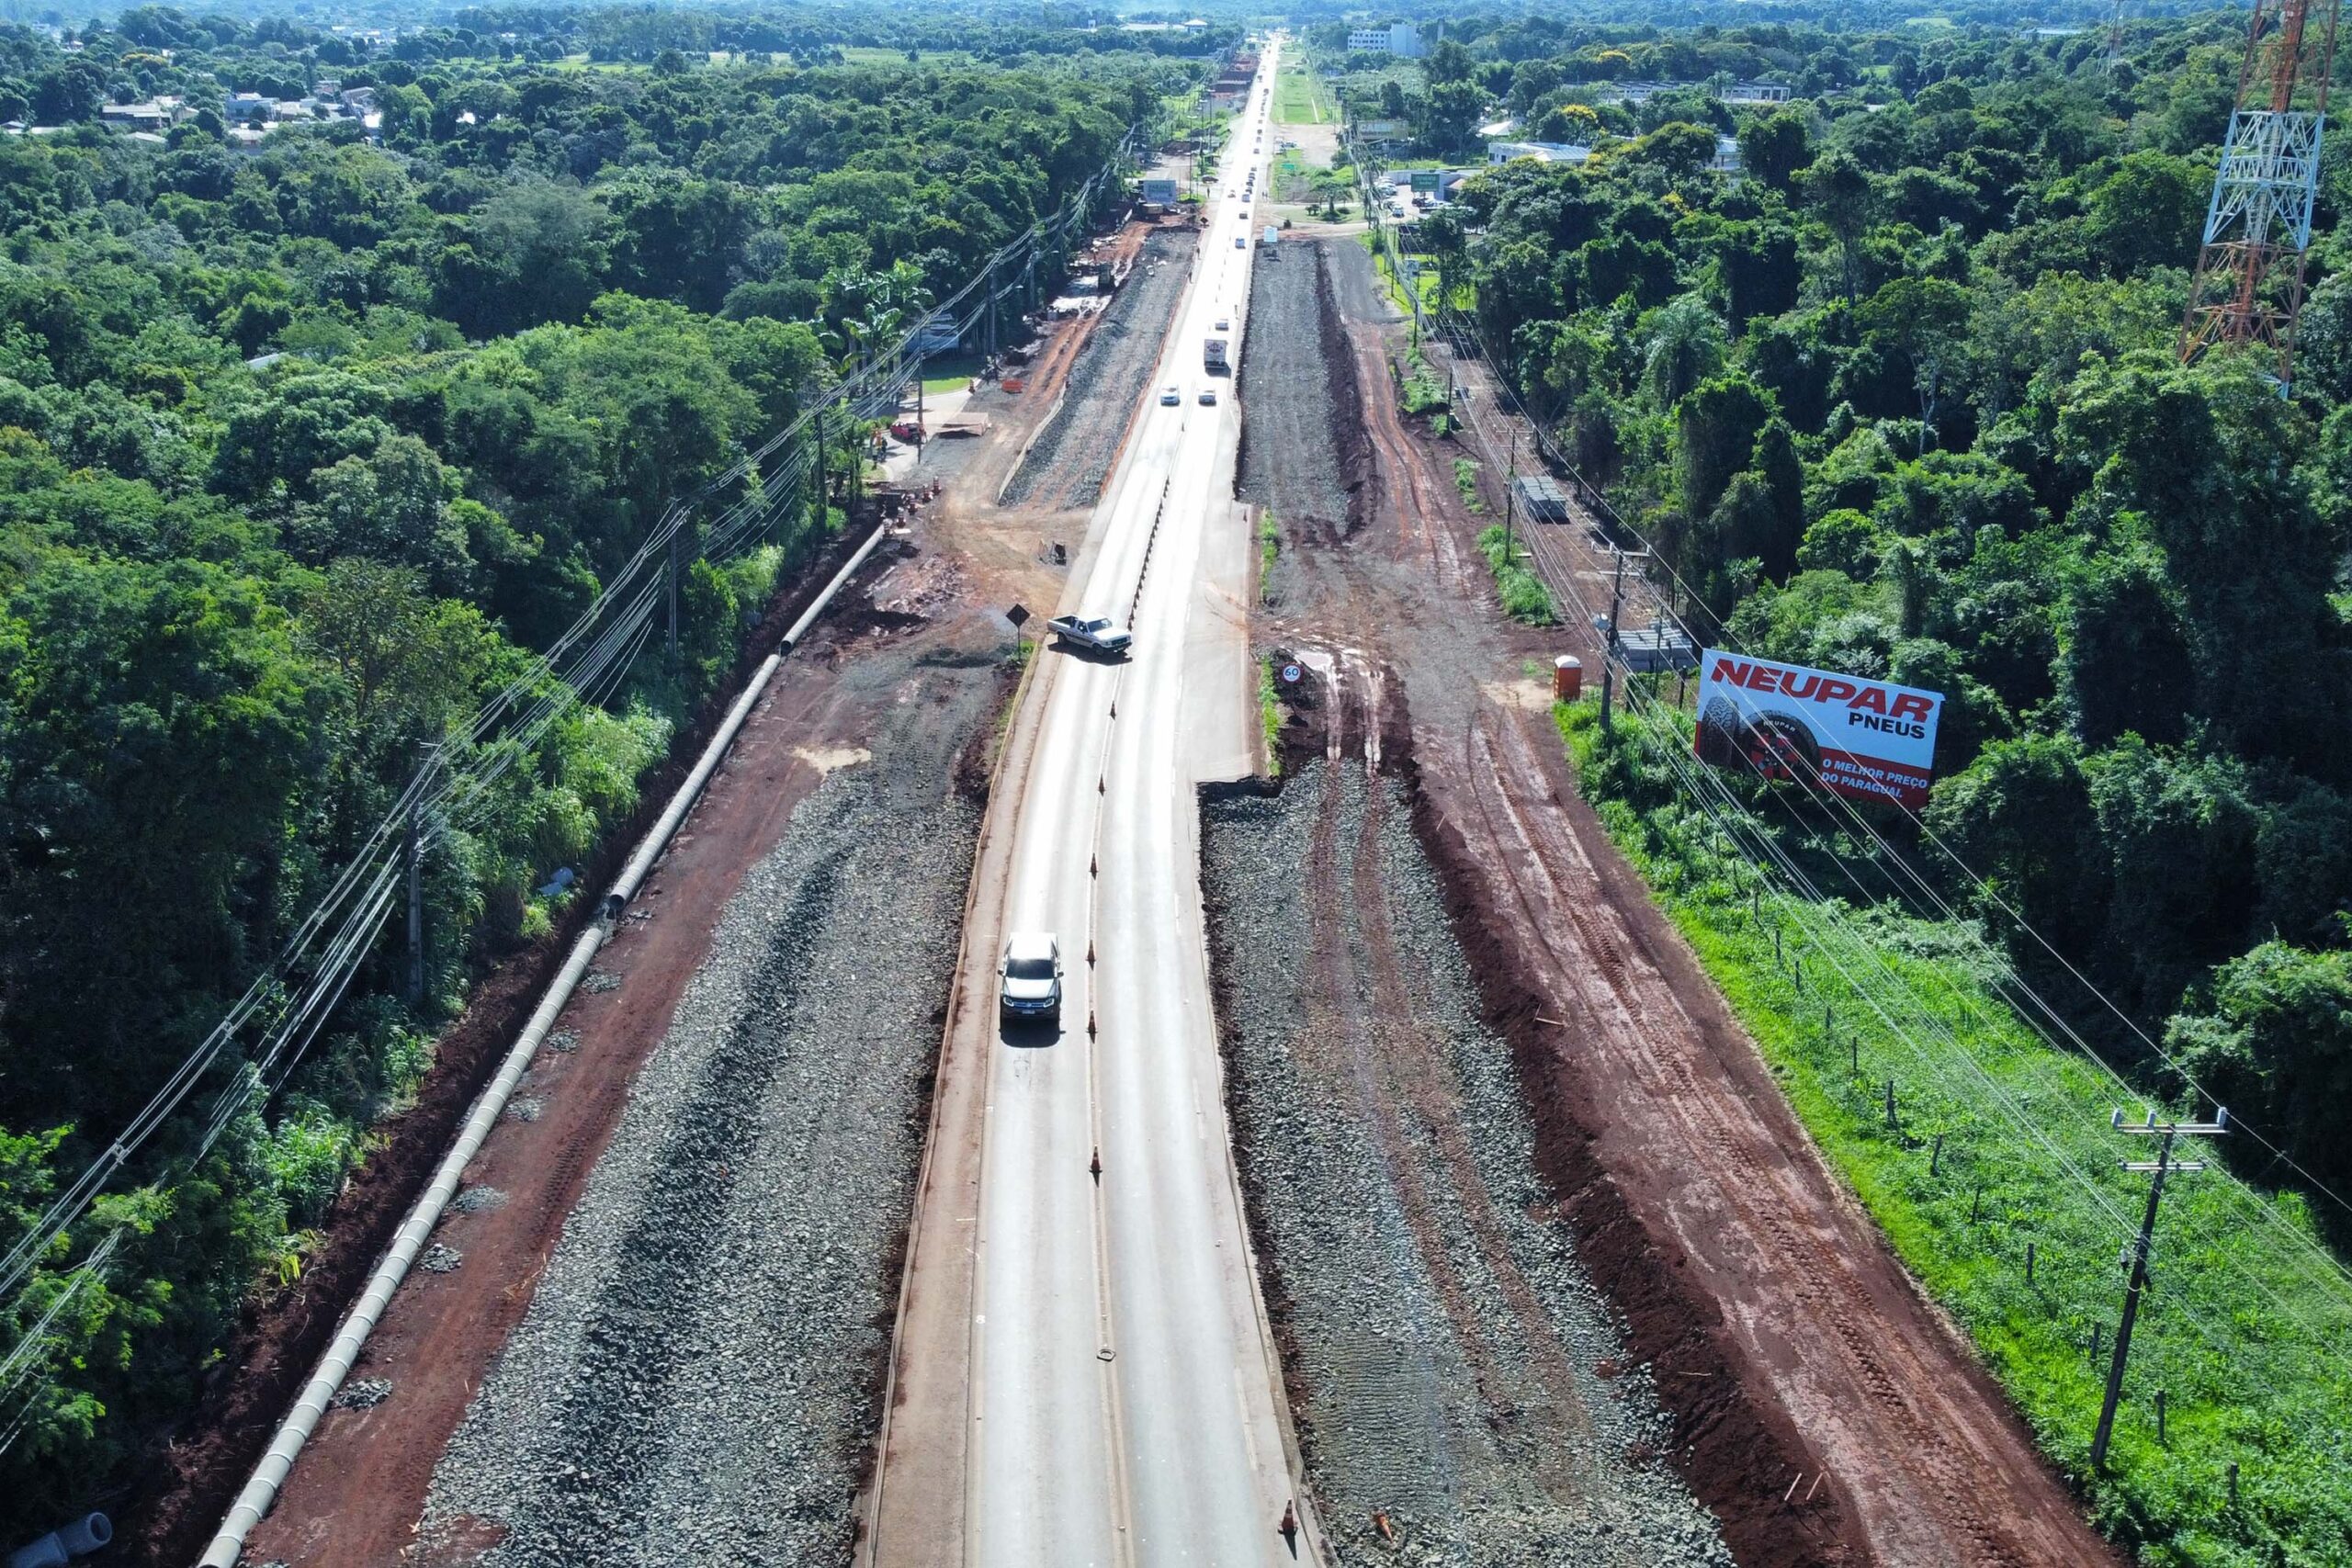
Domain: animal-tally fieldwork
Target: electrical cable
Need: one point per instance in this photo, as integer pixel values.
(2077, 1041)
(867, 391)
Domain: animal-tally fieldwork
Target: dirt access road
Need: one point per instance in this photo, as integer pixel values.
(1822, 1409)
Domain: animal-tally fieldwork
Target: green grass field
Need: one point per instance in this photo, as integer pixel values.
(1300, 99)
(2003, 1142)
(949, 372)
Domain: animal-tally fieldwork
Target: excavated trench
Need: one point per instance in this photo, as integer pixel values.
(1488, 1352)
(1463, 1388)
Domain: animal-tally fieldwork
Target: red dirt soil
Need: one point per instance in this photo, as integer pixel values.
(359, 1487)
(1826, 1410)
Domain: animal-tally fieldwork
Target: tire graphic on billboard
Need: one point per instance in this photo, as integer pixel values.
(1775, 743)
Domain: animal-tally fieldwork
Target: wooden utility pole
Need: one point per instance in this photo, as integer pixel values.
(2157, 1169)
(987, 305)
(412, 862)
(671, 574)
(825, 518)
(1510, 493)
(1608, 649)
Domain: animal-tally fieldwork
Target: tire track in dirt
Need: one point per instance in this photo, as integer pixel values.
(1408, 1053)
(1784, 1332)
(1343, 949)
(1825, 1278)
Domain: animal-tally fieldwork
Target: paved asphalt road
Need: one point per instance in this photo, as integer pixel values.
(1124, 1402)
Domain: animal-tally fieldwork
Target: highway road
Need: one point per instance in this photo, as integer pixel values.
(1083, 1373)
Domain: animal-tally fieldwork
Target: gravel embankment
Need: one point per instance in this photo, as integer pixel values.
(697, 1379)
(1453, 1368)
(1072, 457)
(1357, 284)
(1290, 456)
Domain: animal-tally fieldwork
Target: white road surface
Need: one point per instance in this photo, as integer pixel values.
(1124, 1400)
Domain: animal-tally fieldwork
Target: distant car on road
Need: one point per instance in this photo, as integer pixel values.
(1208, 395)
(1104, 634)
(1241, 242)
(1169, 397)
(1029, 984)
(1225, 324)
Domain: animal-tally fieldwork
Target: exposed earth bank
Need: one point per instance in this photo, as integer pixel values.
(1462, 1390)
(697, 1377)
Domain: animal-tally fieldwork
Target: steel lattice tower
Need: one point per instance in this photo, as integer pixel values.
(2249, 286)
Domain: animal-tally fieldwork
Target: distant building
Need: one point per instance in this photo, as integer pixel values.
(1402, 40)
(1542, 151)
(1726, 158)
(156, 114)
(1725, 92)
(245, 107)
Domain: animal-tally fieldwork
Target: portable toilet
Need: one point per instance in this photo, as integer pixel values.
(1567, 678)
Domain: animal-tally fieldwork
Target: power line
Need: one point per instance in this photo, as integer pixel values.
(1598, 502)
(2307, 1249)
(359, 899)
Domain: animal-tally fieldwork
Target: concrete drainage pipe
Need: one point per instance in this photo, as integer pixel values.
(65, 1543)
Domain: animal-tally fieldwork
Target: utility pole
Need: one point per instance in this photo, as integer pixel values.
(987, 308)
(412, 862)
(1608, 649)
(2157, 1168)
(1510, 494)
(671, 574)
(824, 517)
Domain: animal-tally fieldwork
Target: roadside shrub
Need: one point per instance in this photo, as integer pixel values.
(1524, 597)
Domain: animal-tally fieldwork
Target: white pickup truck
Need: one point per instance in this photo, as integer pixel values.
(1105, 636)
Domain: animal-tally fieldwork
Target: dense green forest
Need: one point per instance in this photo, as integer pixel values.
(307, 445)
(1904, 398)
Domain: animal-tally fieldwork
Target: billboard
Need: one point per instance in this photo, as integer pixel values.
(1866, 738)
(1159, 191)
(1423, 180)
